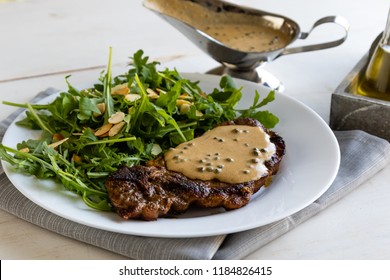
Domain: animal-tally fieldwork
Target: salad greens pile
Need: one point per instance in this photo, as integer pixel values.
(125, 120)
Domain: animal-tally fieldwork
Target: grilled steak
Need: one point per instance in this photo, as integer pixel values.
(152, 191)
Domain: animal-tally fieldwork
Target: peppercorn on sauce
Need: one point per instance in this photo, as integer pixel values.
(231, 154)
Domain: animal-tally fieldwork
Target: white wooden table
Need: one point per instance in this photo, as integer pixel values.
(41, 41)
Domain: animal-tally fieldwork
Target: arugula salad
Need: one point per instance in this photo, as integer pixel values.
(124, 120)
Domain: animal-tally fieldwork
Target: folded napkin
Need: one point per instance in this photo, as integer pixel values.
(356, 167)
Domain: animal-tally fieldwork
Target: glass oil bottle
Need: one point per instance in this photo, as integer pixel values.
(375, 82)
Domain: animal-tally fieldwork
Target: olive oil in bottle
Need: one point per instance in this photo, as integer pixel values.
(375, 82)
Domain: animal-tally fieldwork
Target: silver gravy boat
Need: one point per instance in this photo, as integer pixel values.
(238, 63)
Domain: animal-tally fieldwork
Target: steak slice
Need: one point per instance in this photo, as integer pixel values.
(152, 191)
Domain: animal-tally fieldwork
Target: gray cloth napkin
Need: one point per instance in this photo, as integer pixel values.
(355, 168)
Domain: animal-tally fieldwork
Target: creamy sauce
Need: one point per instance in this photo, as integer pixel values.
(246, 37)
(231, 154)
(238, 31)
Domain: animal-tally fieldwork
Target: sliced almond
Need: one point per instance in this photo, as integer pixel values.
(102, 109)
(104, 129)
(104, 135)
(56, 144)
(116, 129)
(185, 96)
(116, 118)
(77, 158)
(24, 150)
(132, 97)
(151, 91)
(184, 108)
(122, 89)
(57, 137)
(198, 113)
(160, 91)
(152, 94)
(180, 102)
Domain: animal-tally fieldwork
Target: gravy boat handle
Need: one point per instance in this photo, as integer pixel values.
(303, 35)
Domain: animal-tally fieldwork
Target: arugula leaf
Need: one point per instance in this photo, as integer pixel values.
(268, 119)
(53, 165)
(38, 120)
(108, 101)
(87, 107)
(168, 99)
(146, 72)
(154, 120)
(141, 107)
(72, 90)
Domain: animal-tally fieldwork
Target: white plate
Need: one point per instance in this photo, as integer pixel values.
(308, 169)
